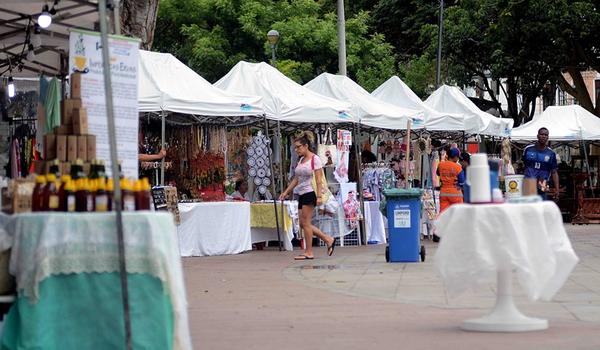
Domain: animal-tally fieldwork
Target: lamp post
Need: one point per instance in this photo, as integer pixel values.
(273, 37)
(438, 65)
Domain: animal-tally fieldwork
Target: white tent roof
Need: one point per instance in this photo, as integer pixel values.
(396, 92)
(283, 98)
(449, 99)
(368, 109)
(564, 123)
(165, 83)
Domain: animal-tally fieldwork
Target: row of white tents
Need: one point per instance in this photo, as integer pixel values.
(251, 89)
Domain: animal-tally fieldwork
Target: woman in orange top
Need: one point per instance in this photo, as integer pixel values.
(452, 178)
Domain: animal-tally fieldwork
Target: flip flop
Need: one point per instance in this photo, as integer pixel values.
(303, 257)
(331, 248)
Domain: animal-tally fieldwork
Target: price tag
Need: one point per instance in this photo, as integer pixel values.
(402, 218)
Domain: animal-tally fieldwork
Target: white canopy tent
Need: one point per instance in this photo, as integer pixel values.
(369, 110)
(449, 99)
(166, 84)
(396, 92)
(564, 123)
(284, 99)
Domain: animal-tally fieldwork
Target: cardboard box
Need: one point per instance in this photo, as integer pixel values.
(80, 121)
(76, 85)
(82, 148)
(71, 148)
(64, 130)
(49, 146)
(67, 106)
(61, 148)
(91, 147)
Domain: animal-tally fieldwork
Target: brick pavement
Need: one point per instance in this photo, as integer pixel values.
(355, 300)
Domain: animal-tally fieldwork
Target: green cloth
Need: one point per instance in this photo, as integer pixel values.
(52, 105)
(84, 312)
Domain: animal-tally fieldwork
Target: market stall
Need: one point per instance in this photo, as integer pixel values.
(449, 99)
(572, 130)
(396, 92)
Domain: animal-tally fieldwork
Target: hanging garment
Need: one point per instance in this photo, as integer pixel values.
(52, 105)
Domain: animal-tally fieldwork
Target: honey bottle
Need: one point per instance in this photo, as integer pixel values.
(69, 196)
(37, 197)
(142, 194)
(101, 197)
(128, 200)
(51, 199)
(81, 195)
(64, 180)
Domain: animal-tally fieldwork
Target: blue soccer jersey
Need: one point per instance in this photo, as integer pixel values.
(539, 164)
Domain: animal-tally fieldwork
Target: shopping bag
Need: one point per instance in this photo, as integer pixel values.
(327, 151)
(325, 193)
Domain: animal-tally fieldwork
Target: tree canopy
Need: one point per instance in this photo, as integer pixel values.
(528, 44)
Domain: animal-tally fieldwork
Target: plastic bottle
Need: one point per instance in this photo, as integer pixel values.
(55, 168)
(494, 168)
(69, 195)
(101, 198)
(93, 170)
(91, 199)
(64, 180)
(128, 196)
(51, 199)
(142, 194)
(37, 197)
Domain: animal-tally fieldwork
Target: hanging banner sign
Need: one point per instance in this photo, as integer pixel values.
(85, 56)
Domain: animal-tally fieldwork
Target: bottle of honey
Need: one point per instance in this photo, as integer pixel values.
(69, 194)
(101, 197)
(37, 197)
(51, 199)
(142, 194)
(110, 193)
(128, 199)
(81, 195)
(64, 180)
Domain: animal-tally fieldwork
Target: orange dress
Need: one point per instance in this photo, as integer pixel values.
(450, 191)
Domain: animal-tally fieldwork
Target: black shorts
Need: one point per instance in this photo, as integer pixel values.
(309, 198)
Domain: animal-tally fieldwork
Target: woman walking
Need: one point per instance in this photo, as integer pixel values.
(309, 164)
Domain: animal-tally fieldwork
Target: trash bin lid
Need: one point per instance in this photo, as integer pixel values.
(403, 193)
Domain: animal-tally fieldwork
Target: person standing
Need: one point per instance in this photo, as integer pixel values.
(308, 166)
(452, 177)
(541, 164)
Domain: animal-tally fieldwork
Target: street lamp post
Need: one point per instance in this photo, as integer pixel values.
(273, 37)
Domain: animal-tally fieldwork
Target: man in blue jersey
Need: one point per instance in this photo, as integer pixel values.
(540, 163)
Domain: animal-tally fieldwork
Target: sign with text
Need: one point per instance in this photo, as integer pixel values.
(85, 56)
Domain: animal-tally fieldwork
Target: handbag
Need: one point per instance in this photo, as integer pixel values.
(327, 151)
(325, 192)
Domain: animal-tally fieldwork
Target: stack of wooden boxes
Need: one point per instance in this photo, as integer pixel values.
(71, 140)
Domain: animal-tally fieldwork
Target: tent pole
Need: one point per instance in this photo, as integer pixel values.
(273, 187)
(114, 160)
(162, 145)
(587, 165)
(281, 152)
(407, 161)
(359, 180)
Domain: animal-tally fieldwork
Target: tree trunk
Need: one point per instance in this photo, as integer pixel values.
(511, 97)
(138, 19)
(579, 91)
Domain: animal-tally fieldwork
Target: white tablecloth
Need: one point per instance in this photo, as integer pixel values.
(214, 228)
(479, 240)
(374, 223)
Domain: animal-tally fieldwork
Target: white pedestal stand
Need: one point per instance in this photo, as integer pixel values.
(505, 317)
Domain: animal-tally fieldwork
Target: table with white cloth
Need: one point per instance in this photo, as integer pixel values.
(480, 243)
(374, 222)
(264, 226)
(214, 228)
(69, 288)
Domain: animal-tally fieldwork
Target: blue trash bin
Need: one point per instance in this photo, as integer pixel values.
(403, 210)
